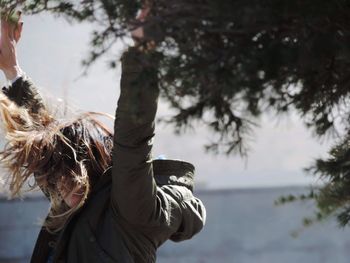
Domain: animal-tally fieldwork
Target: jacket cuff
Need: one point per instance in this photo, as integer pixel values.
(21, 74)
(135, 60)
(24, 94)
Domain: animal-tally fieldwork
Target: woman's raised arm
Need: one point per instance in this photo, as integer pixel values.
(134, 189)
(22, 90)
(163, 212)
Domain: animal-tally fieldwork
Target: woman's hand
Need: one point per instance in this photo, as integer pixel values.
(138, 33)
(10, 35)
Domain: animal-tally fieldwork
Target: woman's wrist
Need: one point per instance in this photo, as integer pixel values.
(13, 73)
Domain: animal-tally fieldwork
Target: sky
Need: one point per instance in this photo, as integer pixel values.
(51, 51)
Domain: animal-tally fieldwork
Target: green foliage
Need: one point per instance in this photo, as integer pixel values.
(333, 198)
(225, 62)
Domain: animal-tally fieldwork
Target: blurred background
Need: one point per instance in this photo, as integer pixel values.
(243, 224)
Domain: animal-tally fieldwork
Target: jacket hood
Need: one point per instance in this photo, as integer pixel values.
(166, 172)
(174, 172)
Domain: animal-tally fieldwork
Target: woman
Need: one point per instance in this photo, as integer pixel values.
(109, 201)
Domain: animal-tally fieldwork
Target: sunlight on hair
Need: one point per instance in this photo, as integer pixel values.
(40, 144)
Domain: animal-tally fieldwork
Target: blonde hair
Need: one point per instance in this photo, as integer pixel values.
(39, 144)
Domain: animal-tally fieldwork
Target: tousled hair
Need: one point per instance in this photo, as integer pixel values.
(77, 149)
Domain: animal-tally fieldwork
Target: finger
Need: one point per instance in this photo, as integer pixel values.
(18, 31)
(11, 31)
(7, 35)
(10, 23)
(4, 27)
(143, 14)
(5, 39)
(19, 14)
(19, 23)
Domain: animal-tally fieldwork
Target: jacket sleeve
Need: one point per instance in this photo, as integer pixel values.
(165, 212)
(24, 93)
(182, 214)
(134, 191)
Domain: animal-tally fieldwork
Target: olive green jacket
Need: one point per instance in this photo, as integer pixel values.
(128, 215)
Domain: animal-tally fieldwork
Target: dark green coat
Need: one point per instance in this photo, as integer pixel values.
(127, 215)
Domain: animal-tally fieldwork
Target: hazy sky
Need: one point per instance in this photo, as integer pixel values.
(50, 52)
